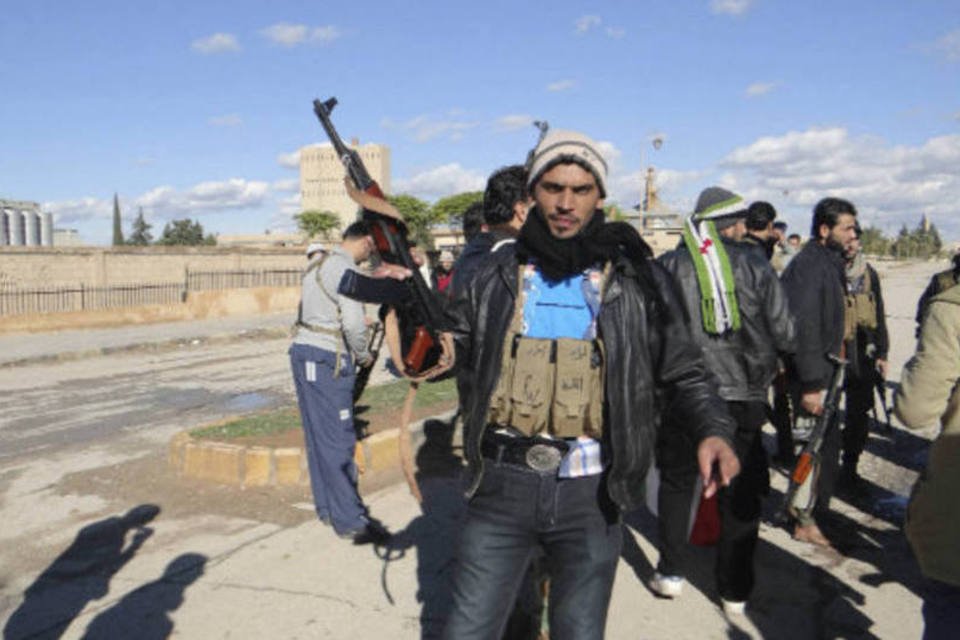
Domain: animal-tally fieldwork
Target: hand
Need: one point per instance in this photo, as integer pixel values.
(882, 367)
(714, 450)
(812, 402)
(395, 271)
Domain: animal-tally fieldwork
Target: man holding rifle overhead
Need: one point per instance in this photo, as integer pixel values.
(329, 344)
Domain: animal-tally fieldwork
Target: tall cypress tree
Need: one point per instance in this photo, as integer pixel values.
(117, 228)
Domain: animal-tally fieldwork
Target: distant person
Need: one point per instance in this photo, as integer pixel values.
(938, 284)
(473, 222)
(760, 233)
(783, 251)
(867, 343)
(443, 272)
(929, 393)
(504, 209)
(815, 283)
(740, 334)
(329, 344)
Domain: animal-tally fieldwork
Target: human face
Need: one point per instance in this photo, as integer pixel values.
(843, 234)
(568, 196)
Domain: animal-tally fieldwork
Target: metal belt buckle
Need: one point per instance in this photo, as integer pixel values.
(543, 457)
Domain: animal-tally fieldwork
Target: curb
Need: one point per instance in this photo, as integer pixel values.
(258, 466)
(145, 347)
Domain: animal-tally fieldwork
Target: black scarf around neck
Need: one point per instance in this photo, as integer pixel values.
(597, 242)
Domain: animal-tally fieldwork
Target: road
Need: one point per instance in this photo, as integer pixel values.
(84, 440)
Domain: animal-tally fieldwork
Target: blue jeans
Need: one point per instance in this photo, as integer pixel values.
(514, 511)
(326, 412)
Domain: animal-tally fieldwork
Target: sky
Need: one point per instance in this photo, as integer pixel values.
(197, 109)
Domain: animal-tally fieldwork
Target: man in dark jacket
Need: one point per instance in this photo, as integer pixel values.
(760, 233)
(742, 354)
(815, 283)
(551, 464)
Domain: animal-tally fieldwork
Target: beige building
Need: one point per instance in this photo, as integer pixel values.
(321, 178)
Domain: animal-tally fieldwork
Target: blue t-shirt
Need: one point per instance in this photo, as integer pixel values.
(560, 309)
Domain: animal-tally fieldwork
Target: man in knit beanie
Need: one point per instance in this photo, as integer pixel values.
(740, 318)
(573, 335)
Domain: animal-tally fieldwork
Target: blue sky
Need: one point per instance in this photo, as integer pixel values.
(197, 109)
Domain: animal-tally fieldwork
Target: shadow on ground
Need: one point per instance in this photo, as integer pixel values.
(82, 574)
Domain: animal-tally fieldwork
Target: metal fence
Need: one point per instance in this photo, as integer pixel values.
(217, 280)
(84, 298)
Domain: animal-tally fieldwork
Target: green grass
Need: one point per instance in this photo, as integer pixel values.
(385, 397)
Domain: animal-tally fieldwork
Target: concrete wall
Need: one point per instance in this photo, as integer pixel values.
(26, 267)
(199, 305)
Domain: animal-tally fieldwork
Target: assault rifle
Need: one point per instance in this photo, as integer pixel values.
(420, 316)
(809, 459)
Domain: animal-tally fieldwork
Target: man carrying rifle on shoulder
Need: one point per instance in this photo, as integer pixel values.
(329, 345)
(867, 343)
(815, 284)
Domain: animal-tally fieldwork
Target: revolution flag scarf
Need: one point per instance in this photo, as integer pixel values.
(718, 299)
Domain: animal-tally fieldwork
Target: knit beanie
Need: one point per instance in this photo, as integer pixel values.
(559, 146)
(720, 206)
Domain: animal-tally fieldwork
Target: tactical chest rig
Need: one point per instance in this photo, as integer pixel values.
(550, 387)
(860, 309)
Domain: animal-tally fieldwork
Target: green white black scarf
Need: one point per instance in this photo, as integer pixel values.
(718, 296)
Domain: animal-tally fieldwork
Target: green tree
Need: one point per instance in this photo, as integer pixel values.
(418, 216)
(140, 232)
(317, 223)
(450, 209)
(874, 242)
(185, 232)
(613, 213)
(117, 225)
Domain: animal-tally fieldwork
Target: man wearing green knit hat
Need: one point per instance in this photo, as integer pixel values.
(740, 318)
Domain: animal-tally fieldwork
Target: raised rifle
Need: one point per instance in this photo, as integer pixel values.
(420, 316)
(809, 459)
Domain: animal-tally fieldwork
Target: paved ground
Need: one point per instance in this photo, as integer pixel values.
(97, 538)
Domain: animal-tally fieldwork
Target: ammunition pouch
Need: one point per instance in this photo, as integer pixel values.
(552, 386)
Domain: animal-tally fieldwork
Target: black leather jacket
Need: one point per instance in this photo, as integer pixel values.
(815, 284)
(744, 361)
(652, 366)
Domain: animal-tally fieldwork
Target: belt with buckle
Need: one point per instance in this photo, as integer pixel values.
(534, 453)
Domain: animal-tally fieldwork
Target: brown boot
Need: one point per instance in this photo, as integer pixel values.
(811, 534)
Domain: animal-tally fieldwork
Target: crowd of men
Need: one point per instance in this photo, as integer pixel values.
(582, 360)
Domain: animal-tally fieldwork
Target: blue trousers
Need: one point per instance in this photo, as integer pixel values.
(515, 511)
(326, 412)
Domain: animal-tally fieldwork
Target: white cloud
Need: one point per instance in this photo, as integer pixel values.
(425, 128)
(513, 122)
(289, 205)
(759, 89)
(78, 210)
(889, 184)
(585, 23)
(289, 160)
(616, 32)
(216, 43)
(291, 35)
(236, 193)
(441, 181)
(228, 120)
(948, 45)
(286, 184)
(730, 7)
(561, 85)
